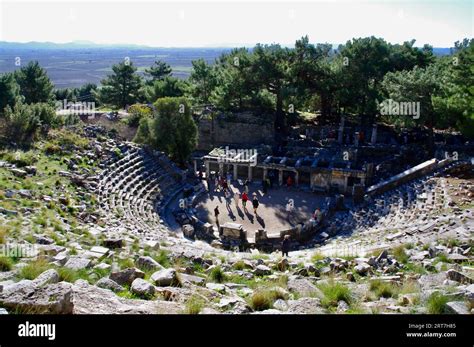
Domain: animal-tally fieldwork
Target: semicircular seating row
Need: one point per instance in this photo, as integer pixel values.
(411, 204)
(131, 190)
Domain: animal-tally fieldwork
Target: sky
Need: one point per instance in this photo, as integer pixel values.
(234, 23)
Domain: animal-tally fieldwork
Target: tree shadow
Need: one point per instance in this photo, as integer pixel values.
(261, 221)
(250, 216)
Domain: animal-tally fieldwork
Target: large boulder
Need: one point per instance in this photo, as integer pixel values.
(457, 276)
(305, 306)
(362, 268)
(78, 263)
(48, 277)
(107, 283)
(126, 276)
(53, 298)
(165, 278)
(262, 270)
(142, 288)
(457, 307)
(302, 287)
(146, 262)
(94, 300)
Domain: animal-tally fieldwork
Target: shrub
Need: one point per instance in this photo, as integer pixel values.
(34, 269)
(70, 275)
(262, 300)
(217, 275)
(239, 265)
(194, 305)
(162, 258)
(6, 264)
(400, 254)
(136, 113)
(126, 263)
(3, 234)
(436, 303)
(383, 289)
(317, 257)
(335, 292)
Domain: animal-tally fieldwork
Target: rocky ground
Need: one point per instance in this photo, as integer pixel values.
(80, 233)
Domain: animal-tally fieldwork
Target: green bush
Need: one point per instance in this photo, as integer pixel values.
(6, 264)
(34, 269)
(70, 275)
(217, 275)
(383, 289)
(436, 303)
(400, 254)
(262, 300)
(333, 293)
(194, 305)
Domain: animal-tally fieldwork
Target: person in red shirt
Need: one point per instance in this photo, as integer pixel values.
(245, 198)
(289, 182)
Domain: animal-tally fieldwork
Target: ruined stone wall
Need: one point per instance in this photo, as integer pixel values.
(241, 129)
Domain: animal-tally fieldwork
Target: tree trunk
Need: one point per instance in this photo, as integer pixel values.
(279, 115)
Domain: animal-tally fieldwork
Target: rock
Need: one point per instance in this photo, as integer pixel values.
(230, 302)
(280, 304)
(146, 262)
(53, 298)
(342, 306)
(470, 295)
(382, 255)
(305, 306)
(262, 270)
(3, 311)
(165, 277)
(142, 288)
(95, 300)
(113, 243)
(107, 283)
(310, 267)
(154, 245)
(61, 258)
(31, 170)
(100, 251)
(283, 264)
(193, 279)
(350, 277)
(81, 283)
(43, 240)
(25, 193)
(48, 277)
(19, 173)
(6, 283)
(302, 272)
(454, 275)
(126, 276)
(457, 307)
(302, 287)
(457, 258)
(188, 230)
(362, 268)
(77, 263)
(217, 287)
(420, 256)
(22, 285)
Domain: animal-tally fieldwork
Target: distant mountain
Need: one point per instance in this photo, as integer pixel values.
(88, 45)
(69, 45)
